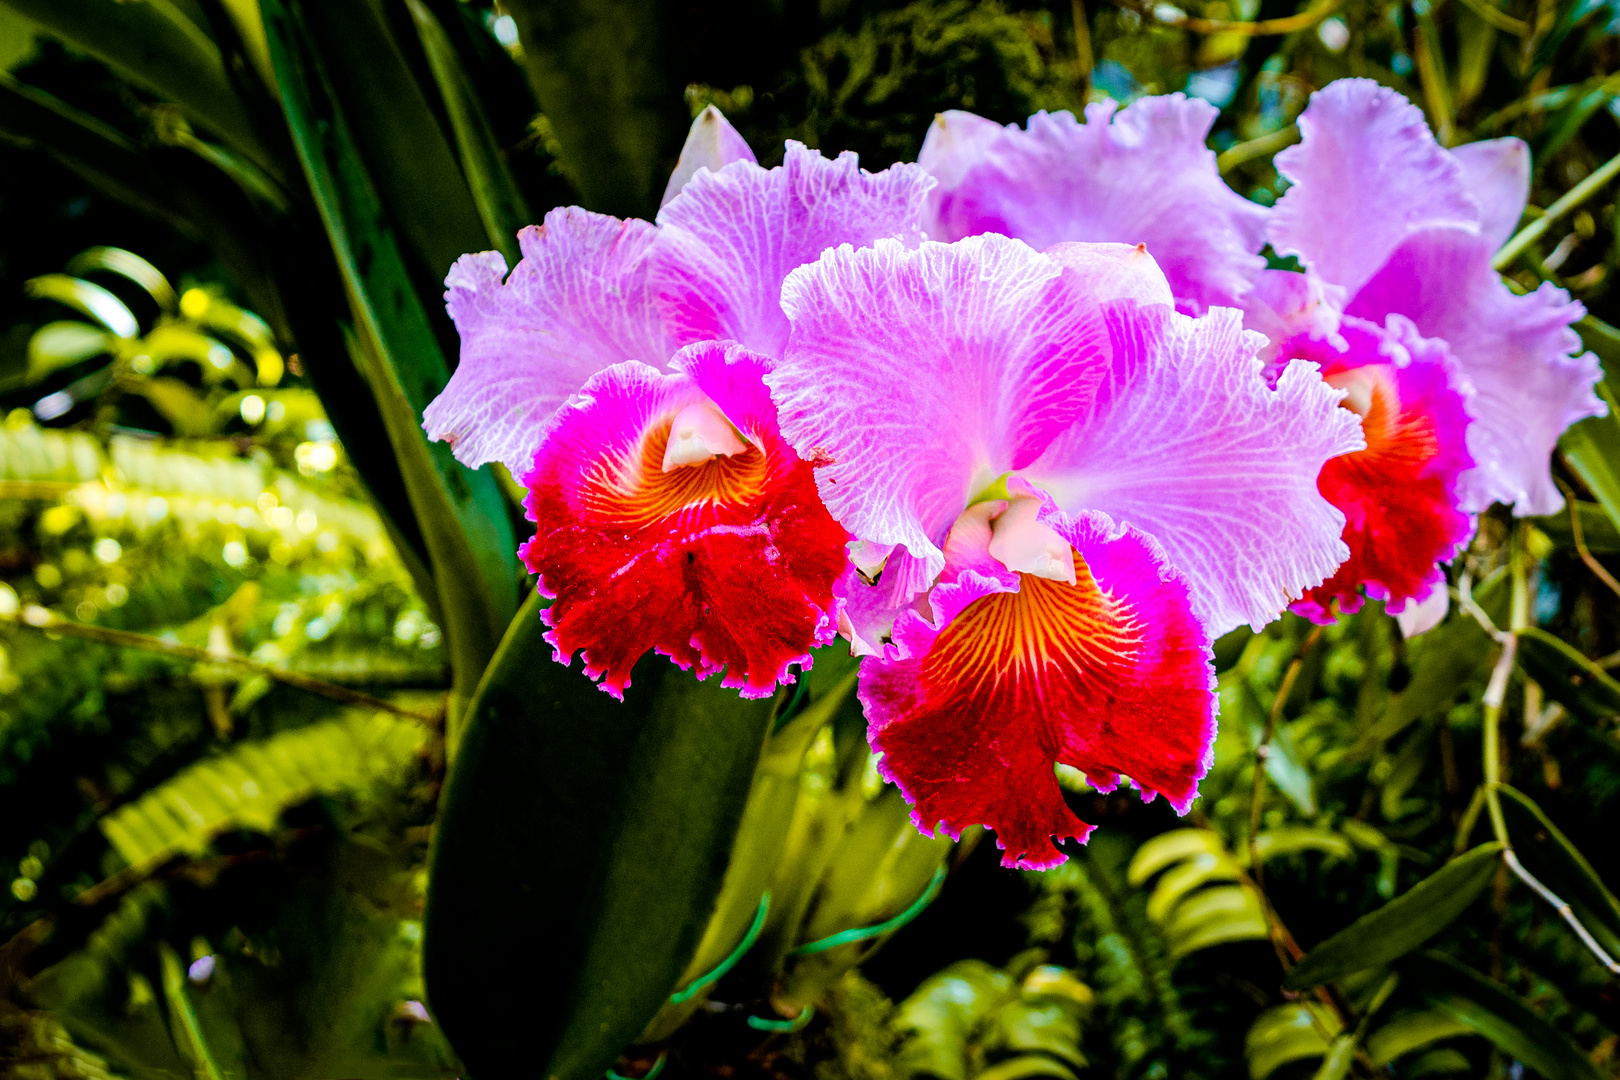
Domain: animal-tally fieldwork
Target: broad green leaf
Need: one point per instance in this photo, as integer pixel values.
(1489, 1010)
(1038, 1024)
(1336, 1065)
(1410, 1030)
(1293, 840)
(1568, 677)
(62, 344)
(1286, 1033)
(1198, 871)
(88, 298)
(402, 149)
(1215, 916)
(1448, 657)
(1401, 925)
(1172, 847)
(461, 513)
(128, 265)
(156, 46)
(1027, 1067)
(1442, 1062)
(1548, 854)
(940, 1015)
(579, 851)
(494, 191)
(601, 71)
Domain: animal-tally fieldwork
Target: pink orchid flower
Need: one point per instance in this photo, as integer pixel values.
(1076, 487)
(617, 371)
(1463, 386)
(1139, 176)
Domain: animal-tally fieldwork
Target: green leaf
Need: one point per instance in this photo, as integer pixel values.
(462, 513)
(1195, 872)
(1592, 448)
(580, 848)
(494, 191)
(1172, 847)
(1336, 1065)
(941, 1014)
(1284, 1034)
(1410, 1030)
(1598, 530)
(156, 46)
(1025, 1067)
(1548, 854)
(62, 344)
(1295, 839)
(1401, 925)
(1489, 1010)
(1215, 916)
(252, 783)
(128, 265)
(88, 298)
(1568, 677)
(407, 158)
(600, 70)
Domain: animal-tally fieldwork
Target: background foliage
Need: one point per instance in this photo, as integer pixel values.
(246, 608)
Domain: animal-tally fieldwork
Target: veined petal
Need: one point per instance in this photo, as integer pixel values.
(1399, 495)
(1062, 180)
(1366, 174)
(915, 378)
(1497, 172)
(726, 564)
(1110, 675)
(575, 304)
(1516, 351)
(1186, 442)
(731, 236)
(712, 143)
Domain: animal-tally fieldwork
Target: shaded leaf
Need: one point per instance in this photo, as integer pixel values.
(1567, 677)
(1401, 925)
(581, 837)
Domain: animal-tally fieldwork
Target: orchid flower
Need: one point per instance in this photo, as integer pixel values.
(617, 372)
(1463, 386)
(1139, 176)
(1082, 486)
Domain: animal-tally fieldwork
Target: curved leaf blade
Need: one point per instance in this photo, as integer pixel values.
(1401, 925)
(580, 849)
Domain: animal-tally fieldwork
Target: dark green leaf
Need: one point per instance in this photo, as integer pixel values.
(155, 45)
(1489, 1010)
(1401, 925)
(601, 71)
(1598, 530)
(461, 512)
(1547, 853)
(580, 849)
(1568, 677)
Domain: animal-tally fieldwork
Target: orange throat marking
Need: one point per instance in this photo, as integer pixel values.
(630, 489)
(1046, 630)
(1392, 435)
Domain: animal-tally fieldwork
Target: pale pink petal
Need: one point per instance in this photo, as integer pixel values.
(731, 237)
(869, 603)
(1143, 176)
(576, 303)
(915, 378)
(1366, 174)
(1518, 352)
(711, 144)
(1497, 172)
(1420, 618)
(1186, 442)
(1284, 304)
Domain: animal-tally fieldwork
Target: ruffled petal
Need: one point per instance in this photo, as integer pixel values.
(1497, 173)
(728, 564)
(1399, 495)
(576, 303)
(1516, 351)
(1111, 675)
(731, 236)
(1063, 180)
(915, 378)
(712, 143)
(1366, 174)
(870, 598)
(1186, 442)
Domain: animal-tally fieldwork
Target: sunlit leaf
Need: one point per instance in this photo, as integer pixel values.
(86, 297)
